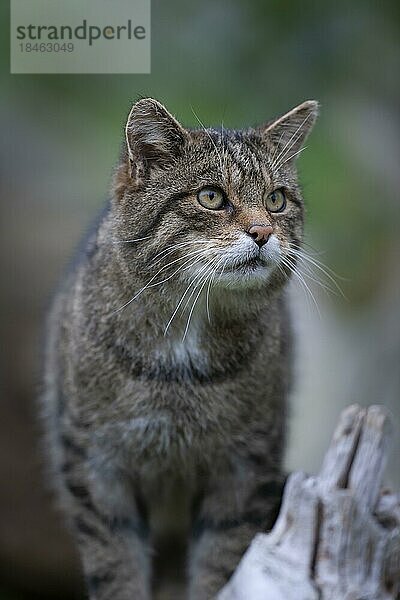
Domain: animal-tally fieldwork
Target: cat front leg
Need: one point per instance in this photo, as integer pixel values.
(222, 535)
(108, 524)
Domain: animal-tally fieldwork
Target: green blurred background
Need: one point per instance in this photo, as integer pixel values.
(240, 63)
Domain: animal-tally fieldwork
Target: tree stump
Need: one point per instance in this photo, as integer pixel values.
(337, 536)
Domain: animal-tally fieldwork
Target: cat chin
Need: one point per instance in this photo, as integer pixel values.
(245, 277)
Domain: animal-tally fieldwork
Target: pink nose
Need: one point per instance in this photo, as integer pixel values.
(260, 233)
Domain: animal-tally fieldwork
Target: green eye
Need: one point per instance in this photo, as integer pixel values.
(211, 198)
(276, 201)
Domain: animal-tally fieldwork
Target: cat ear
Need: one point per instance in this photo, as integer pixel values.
(289, 132)
(153, 135)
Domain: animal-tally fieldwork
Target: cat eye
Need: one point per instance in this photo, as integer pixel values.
(211, 198)
(276, 201)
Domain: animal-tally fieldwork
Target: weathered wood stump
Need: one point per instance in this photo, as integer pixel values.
(338, 534)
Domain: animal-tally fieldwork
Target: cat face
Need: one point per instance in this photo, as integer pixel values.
(219, 207)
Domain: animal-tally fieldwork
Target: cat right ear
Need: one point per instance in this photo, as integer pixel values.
(153, 137)
(288, 133)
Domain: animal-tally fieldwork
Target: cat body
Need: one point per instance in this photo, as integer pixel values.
(169, 355)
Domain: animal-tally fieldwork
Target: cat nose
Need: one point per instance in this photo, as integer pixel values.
(260, 233)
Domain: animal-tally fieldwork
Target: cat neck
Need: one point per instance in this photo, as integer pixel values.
(218, 329)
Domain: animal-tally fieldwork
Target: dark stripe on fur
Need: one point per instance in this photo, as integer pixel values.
(269, 490)
(81, 493)
(115, 524)
(126, 525)
(203, 524)
(88, 530)
(96, 581)
(71, 445)
(175, 373)
(169, 206)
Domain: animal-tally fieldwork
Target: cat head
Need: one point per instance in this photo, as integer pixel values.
(211, 205)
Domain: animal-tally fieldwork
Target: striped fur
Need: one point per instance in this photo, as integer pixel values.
(174, 440)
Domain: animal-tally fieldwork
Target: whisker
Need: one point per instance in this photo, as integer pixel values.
(192, 282)
(307, 272)
(210, 263)
(295, 272)
(183, 267)
(329, 273)
(198, 276)
(211, 281)
(201, 284)
(302, 252)
(309, 246)
(276, 150)
(283, 162)
(131, 241)
(171, 249)
(187, 256)
(223, 269)
(289, 144)
(304, 289)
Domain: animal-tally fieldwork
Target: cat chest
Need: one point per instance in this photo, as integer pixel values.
(166, 362)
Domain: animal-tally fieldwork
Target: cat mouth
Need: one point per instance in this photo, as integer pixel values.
(246, 266)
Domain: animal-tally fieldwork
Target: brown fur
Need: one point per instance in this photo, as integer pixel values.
(168, 442)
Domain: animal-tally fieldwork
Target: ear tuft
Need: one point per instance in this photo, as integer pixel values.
(289, 132)
(152, 134)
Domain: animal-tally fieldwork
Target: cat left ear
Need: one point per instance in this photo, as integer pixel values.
(289, 132)
(153, 135)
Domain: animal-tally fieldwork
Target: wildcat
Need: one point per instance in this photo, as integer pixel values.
(168, 358)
